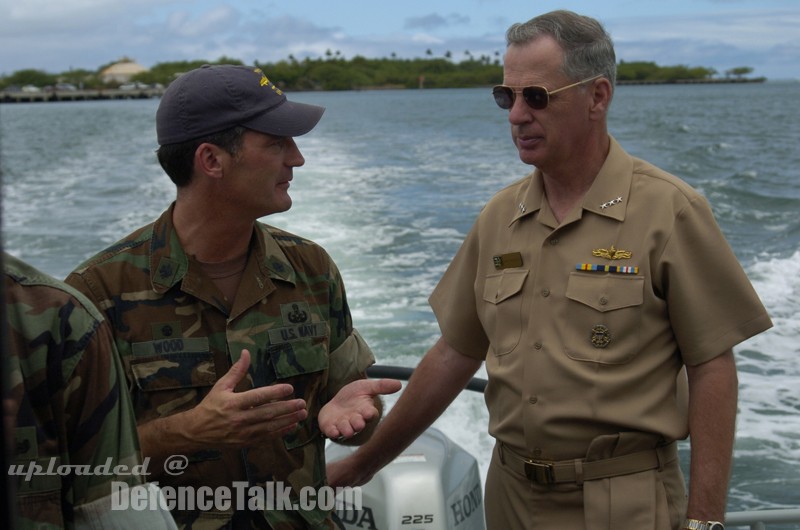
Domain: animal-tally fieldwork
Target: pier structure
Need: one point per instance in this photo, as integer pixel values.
(48, 95)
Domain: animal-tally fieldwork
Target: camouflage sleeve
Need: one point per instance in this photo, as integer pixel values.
(348, 362)
(100, 420)
(350, 355)
(74, 420)
(341, 322)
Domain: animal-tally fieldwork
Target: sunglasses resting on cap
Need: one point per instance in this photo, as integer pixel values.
(537, 97)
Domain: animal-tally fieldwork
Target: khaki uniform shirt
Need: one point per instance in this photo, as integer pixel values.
(177, 336)
(573, 352)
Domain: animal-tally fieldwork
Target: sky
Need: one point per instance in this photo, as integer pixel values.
(57, 35)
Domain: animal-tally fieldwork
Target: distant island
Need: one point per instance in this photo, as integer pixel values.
(334, 72)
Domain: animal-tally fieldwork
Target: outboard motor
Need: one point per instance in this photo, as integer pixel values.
(434, 485)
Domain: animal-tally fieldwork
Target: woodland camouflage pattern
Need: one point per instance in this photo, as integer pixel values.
(177, 335)
(67, 398)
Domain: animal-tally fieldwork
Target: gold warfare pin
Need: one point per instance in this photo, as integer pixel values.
(611, 253)
(507, 261)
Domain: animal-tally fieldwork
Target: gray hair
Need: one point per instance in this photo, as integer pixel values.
(588, 48)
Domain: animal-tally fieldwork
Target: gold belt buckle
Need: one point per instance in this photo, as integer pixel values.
(540, 472)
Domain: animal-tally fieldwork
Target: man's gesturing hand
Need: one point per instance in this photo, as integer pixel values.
(242, 419)
(353, 406)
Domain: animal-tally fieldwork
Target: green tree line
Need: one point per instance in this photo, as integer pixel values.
(333, 72)
(650, 71)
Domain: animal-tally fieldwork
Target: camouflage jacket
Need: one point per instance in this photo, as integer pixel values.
(67, 397)
(177, 336)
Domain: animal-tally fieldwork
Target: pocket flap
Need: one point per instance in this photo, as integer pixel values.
(503, 285)
(298, 358)
(177, 370)
(607, 292)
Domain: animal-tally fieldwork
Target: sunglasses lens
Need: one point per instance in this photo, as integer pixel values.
(503, 96)
(536, 97)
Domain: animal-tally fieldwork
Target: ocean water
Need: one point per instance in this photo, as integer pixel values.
(392, 183)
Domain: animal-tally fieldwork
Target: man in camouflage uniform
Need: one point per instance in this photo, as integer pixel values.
(206, 292)
(66, 406)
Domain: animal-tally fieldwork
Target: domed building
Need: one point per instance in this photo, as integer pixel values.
(122, 71)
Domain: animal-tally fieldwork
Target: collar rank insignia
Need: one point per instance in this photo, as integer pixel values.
(612, 202)
(611, 253)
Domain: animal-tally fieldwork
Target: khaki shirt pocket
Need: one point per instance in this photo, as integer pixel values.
(501, 314)
(604, 317)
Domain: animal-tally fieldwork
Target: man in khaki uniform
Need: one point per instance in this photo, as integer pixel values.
(586, 287)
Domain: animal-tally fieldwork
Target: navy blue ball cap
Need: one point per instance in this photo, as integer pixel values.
(214, 98)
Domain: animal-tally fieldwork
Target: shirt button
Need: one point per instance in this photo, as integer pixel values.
(603, 300)
(538, 345)
(545, 292)
(554, 241)
(533, 399)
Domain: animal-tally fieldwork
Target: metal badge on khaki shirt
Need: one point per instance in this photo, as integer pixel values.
(600, 335)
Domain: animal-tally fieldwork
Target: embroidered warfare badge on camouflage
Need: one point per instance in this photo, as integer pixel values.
(298, 324)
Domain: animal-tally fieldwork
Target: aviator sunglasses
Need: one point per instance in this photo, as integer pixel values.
(537, 97)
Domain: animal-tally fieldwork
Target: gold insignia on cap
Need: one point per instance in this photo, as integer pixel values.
(600, 336)
(507, 261)
(611, 253)
(266, 82)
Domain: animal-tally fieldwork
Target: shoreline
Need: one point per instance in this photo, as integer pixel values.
(78, 95)
(111, 94)
(733, 80)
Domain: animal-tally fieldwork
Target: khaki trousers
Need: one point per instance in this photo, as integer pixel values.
(653, 499)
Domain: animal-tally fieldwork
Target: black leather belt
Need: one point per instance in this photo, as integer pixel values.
(579, 470)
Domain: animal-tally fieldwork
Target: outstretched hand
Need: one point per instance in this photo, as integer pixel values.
(353, 406)
(243, 419)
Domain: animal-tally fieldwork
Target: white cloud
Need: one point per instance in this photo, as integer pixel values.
(185, 24)
(39, 10)
(757, 29)
(88, 33)
(435, 21)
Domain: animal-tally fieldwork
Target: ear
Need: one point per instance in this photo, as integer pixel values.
(602, 91)
(208, 160)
